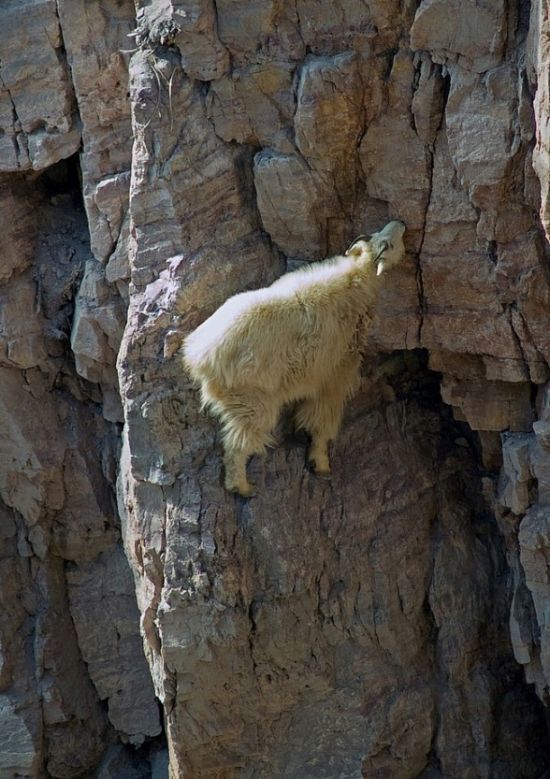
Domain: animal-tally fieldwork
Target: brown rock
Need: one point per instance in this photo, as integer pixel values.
(106, 620)
(100, 77)
(516, 472)
(471, 34)
(203, 55)
(289, 213)
(428, 100)
(224, 592)
(254, 105)
(538, 48)
(37, 112)
(533, 541)
(329, 27)
(490, 405)
(97, 327)
(271, 27)
(407, 195)
(481, 131)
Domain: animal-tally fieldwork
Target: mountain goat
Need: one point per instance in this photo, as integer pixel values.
(296, 340)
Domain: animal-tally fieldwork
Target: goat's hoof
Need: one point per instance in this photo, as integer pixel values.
(245, 491)
(322, 473)
(326, 475)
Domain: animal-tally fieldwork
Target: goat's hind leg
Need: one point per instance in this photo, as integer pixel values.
(247, 420)
(321, 414)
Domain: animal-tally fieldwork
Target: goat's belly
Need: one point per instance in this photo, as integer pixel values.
(304, 386)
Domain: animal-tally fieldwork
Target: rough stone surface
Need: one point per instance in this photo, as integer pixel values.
(58, 453)
(472, 34)
(538, 74)
(38, 117)
(389, 623)
(107, 624)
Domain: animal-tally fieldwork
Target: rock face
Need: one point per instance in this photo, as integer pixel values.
(155, 158)
(73, 677)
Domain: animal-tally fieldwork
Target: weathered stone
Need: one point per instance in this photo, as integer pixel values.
(329, 115)
(428, 100)
(327, 126)
(110, 199)
(97, 328)
(191, 546)
(534, 540)
(467, 32)
(214, 178)
(540, 465)
(289, 213)
(75, 722)
(516, 472)
(451, 218)
(20, 736)
(28, 475)
(490, 405)
(407, 194)
(100, 77)
(102, 603)
(541, 428)
(482, 134)
(21, 318)
(87, 513)
(329, 27)
(19, 228)
(37, 114)
(523, 629)
(117, 270)
(203, 55)
(538, 50)
(543, 402)
(254, 105)
(271, 27)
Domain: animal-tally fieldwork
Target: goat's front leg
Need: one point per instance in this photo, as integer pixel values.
(235, 472)
(318, 417)
(321, 414)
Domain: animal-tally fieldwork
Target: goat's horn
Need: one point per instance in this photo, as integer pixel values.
(362, 237)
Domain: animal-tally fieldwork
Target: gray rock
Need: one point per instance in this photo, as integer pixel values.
(516, 472)
(37, 110)
(471, 34)
(102, 602)
(254, 105)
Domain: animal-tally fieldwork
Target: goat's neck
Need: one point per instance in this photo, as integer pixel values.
(364, 285)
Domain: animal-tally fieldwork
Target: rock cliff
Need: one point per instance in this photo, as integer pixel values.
(155, 158)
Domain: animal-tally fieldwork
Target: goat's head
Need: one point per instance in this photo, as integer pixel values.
(386, 246)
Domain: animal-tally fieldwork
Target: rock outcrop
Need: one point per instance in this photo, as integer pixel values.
(155, 158)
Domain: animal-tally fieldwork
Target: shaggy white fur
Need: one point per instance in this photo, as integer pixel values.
(293, 341)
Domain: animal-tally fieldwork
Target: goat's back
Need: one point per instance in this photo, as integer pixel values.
(280, 334)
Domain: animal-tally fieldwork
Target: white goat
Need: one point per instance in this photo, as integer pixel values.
(293, 341)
